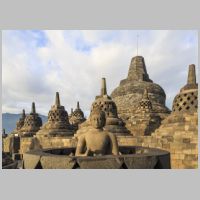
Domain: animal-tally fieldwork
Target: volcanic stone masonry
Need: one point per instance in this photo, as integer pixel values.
(135, 113)
(144, 120)
(20, 123)
(58, 122)
(105, 103)
(178, 132)
(76, 117)
(130, 91)
(32, 123)
(26, 127)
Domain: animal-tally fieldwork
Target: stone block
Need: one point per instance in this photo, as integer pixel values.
(101, 162)
(57, 162)
(148, 162)
(30, 161)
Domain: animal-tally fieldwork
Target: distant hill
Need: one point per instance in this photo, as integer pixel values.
(9, 121)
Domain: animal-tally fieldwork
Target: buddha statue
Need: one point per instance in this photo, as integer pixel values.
(96, 141)
(113, 123)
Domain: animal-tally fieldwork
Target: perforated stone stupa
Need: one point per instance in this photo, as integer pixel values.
(186, 100)
(144, 120)
(105, 103)
(20, 123)
(76, 117)
(58, 122)
(32, 123)
(179, 131)
(130, 91)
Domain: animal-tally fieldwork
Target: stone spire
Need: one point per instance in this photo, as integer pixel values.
(33, 110)
(191, 75)
(137, 70)
(57, 102)
(71, 111)
(103, 87)
(78, 106)
(191, 81)
(23, 114)
(187, 100)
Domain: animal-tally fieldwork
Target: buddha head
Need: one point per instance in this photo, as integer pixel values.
(97, 118)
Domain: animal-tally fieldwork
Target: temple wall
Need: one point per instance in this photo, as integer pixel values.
(180, 140)
(45, 143)
(10, 144)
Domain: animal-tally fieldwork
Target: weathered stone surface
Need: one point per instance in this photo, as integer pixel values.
(28, 144)
(57, 162)
(20, 123)
(140, 162)
(144, 120)
(187, 99)
(191, 81)
(11, 144)
(7, 162)
(100, 162)
(178, 133)
(65, 159)
(97, 141)
(76, 117)
(113, 123)
(130, 91)
(30, 161)
(32, 124)
(58, 122)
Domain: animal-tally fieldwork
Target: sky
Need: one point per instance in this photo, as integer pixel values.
(38, 63)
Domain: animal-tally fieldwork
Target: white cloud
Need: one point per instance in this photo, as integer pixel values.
(37, 64)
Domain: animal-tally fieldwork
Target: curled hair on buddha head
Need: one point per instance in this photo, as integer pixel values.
(101, 114)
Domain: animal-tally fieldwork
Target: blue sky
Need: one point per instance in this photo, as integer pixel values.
(38, 63)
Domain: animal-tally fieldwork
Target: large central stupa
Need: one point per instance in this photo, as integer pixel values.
(130, 91)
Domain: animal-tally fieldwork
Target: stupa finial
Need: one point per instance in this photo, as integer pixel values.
(33, 110)
(71, 110)
(78, 106)
(23, 113)
(103, 87)
(57, 103)
(191, 75)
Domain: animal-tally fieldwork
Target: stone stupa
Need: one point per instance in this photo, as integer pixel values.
(178, 133)
(32, 123)
(58, 122)
(76, 117)
(144, 120)
(20, 123)
(130, 91)
(105, 103)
